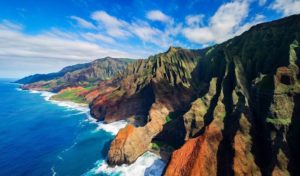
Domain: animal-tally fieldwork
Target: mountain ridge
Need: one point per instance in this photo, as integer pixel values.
(76, 75)
(229, 109)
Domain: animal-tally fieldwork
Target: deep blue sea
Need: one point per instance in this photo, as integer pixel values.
(42, 137)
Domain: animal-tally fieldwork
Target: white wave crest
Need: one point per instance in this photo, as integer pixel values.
(71, 105)
(34, 91)
(53, 171)
(148, 164)
(112, 127)
(68, 104)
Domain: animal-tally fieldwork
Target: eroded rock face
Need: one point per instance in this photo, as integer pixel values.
(131, 142)
(198, 156)
(194, 118)
(243, 163)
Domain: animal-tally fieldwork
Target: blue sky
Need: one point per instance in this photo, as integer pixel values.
(43, 36)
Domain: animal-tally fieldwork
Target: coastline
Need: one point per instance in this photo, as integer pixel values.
(150, 163)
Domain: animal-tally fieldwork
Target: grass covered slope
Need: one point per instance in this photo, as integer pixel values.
(73, 94)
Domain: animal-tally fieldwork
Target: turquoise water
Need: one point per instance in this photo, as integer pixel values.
(40, 137)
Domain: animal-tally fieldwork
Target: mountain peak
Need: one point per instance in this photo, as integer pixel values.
(173, 49)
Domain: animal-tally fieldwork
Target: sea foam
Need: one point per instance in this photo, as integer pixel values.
(68, 104)
(112, 127)
(148, 164)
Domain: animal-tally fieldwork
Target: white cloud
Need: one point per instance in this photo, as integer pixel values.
(113, 26)
(286, 7)
(83, 23)
(228, 18)
(120, 29)
(94, 37)
(156, 15)
(227, 22)
(262, 2)
(194, 20)
(49, 51)
(50, 45)
(257, 19)
(147, 33)
(7, 25)
(199, 35)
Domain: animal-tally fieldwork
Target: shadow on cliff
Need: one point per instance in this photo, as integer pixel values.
(262, 149)
(225, 151)
(293, 139)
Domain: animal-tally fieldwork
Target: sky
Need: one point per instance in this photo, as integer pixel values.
(44, 36)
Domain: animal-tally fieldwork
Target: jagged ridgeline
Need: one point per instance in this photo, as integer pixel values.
(230, 109)
(86, 75)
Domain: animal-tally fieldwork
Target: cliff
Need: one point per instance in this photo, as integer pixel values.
(230, 109)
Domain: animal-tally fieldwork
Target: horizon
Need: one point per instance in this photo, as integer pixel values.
(79, 31)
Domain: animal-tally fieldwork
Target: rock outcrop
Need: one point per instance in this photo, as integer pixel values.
(131, 142)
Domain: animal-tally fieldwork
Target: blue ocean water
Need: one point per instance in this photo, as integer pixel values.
(41, 137)
(38, 137)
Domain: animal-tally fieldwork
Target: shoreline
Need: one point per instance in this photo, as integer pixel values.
(156, 162)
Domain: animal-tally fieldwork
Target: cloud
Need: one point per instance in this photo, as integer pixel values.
(7, 25)
(51, 50)
(94, 37)
(145, 32)
(194, 20)
(83, 23)
(120, 29)
(227, 22)
(262, 2)
(199, 35)
(286, 7)
(156, 15)
(113, 26)
(50, 45)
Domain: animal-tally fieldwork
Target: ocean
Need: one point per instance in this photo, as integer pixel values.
(43, 137)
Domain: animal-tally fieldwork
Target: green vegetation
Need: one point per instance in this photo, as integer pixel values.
(266, 83)
(70, 95)
(278, 121)
(47, 86)
(209, 51)
(90, 87)
(222, 115)
(161, 146)
(156, 145)
(168, 118)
